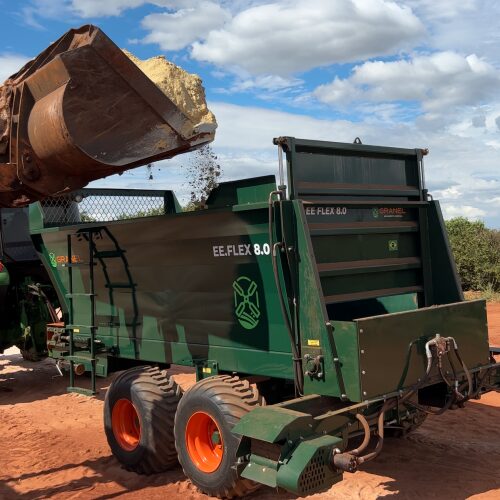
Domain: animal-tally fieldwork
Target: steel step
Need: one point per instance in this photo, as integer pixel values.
(371, 294)
(335, 228)
(121, 285)
(367, 266)
(109, 254)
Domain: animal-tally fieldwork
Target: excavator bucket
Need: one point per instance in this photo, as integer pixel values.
(80, 111)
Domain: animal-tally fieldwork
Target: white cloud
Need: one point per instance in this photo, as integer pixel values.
(174, 31)
(274, 84)
(450, 193)
(442, 10)
(461, 172)
(438, 81)
(467, 211)
(252, 128)
(58, 9)
(466, 25)
(495, 201)
(479, 121)
(10, 64)
(297, 35)
(98, 8)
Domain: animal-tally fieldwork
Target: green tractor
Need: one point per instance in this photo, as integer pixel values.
(319, 317)
(27, 301)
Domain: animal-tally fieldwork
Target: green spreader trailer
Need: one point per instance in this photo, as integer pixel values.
(319, 317)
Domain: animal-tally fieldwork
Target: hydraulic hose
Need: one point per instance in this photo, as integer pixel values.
(350, 460)
(276, 247)
(457, 396)
(466, 370)
(388, 405)
(366, 439)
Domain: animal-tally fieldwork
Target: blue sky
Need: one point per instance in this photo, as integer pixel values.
(412, 73)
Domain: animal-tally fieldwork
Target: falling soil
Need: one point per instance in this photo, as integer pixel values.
(184, 89)
(53, 446)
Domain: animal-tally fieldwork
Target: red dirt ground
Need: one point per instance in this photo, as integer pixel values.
(52, 445)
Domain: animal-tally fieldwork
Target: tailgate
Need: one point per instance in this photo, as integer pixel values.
(391, 346)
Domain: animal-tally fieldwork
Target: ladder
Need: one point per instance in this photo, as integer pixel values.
(71, 327)
(96, 256)
(128, 284)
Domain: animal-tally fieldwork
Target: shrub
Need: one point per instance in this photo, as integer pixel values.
(477, 253)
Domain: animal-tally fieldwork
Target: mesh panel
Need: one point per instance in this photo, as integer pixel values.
(313, 476)
(105, 205)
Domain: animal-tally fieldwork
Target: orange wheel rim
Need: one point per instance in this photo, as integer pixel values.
(204, 442)
(126, 424)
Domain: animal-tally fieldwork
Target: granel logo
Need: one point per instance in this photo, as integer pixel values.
(392, 211)
(56, 260)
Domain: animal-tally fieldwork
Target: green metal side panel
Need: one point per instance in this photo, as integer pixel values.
(337, 345)
(330, 168)
(304, 462)
(273, 424)
(202, 281)
(391, 346)
(242, 192)
(347, 370)
(445, 280)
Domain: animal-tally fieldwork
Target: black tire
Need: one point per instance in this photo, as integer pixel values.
(155, 398)
(29, 351)
(31, 355)
(225, 399)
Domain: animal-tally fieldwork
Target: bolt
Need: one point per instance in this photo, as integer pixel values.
(361, 330)
(363, 372)
(364, 393)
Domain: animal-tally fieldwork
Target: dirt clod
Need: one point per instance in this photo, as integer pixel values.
(184, 89)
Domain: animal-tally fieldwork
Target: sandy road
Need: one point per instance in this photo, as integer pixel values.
(52, 445)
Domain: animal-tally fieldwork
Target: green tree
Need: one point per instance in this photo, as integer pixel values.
(477, 253)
